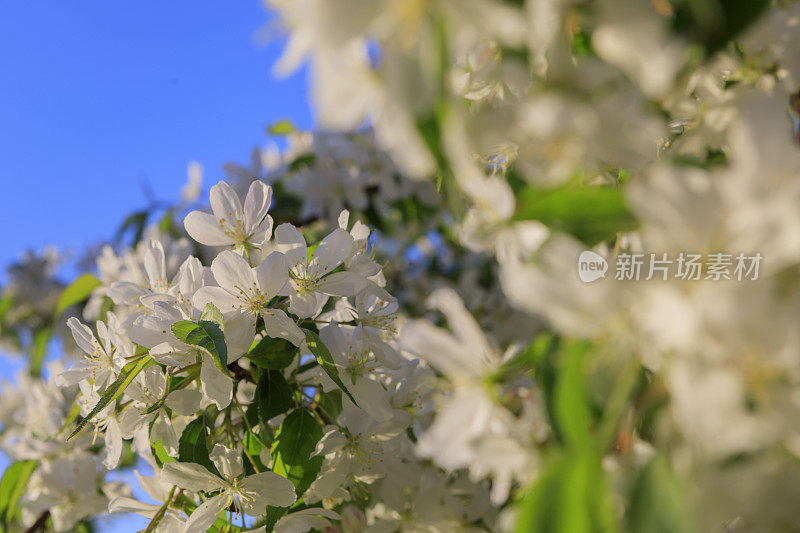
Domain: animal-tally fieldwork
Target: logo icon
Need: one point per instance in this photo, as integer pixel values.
(591, 266)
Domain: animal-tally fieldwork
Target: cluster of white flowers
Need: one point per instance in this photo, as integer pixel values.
(450, 371)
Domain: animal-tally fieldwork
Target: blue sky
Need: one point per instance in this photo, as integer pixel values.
(97, 97)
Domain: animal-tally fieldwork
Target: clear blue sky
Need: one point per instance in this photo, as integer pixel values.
(97, 96)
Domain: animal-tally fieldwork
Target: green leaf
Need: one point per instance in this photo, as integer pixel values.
(193, 446)
(77, 291)
(573, 417)
(325, 360)
(207, 335)
(6, 304)
(281, 127)
(41, 339)
(294, 443)
(212, 314)
(657, 502)
(160, 453)
(330, 403)
(252, 446)
(137, 222)
(571, 496)
(273, 395)
(272, 354)
(590, 213)
(74, 413)
(115, 390)
(302, 161)
(713, 23)
(273, 515)
(12, 486)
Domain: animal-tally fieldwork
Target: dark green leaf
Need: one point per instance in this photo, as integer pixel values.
(115, 390)
(252, 446)
(713, 23)
(326, 361)
(273, 395)
(658, 502)
(273, 354)
(273, 515)
(330, 403)
(590, 213)
(294, 443)
(193, 446)
(136, 222)
(77, 291)
(301, 162)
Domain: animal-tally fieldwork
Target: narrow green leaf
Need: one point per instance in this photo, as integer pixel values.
(272, 354)
(273, 395)
(573, 417)
(151, 527)
(137, 222)
(77, 291)
(12, 486)
(207, 335)
(570, 496)
(326, 361)
(73, 414)
(41, 339)
(294, 443)
(115, 390)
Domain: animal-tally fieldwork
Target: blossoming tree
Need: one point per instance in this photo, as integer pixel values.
(537, 271)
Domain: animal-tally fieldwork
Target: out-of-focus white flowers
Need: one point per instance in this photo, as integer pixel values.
(313, 360)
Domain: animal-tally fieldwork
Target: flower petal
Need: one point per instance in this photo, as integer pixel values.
(267, 488)
(184, 401)
(342, 284)
(256, 204)
(233, 273)
(155, 266)
(272, 274)
(204, 228)
(207, 513)
(191, 476)
(228, 461)
(278, 324)
(331, 252)
(291, 242)
(216, 386)
(225, 204)
(222, 299)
